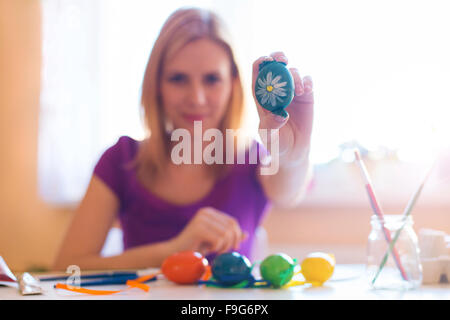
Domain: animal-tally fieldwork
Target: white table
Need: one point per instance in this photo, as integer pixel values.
(348, 282)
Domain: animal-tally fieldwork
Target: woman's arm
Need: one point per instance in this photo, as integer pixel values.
(87, 233)
(290, 168)
(208, 231)
(287, 187)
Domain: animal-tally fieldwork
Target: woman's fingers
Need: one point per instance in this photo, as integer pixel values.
(213, 232)
(298, 83)
(224, 227)
(223, 238)
(279, 56)
(308, 84)
(270, 121)
(232, 225)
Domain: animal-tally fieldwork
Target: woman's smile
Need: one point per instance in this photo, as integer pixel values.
(194, 117)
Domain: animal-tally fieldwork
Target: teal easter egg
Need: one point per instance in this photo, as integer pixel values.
(231, 268)
(274, 87)
(278, 269)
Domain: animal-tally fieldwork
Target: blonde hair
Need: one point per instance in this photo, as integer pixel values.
(182, 27)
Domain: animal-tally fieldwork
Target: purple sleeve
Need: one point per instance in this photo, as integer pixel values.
(110, 168)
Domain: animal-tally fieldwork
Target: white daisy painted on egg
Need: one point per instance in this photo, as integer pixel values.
(270, 89)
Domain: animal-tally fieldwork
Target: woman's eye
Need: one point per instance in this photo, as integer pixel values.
(178, 78)
(212, 79)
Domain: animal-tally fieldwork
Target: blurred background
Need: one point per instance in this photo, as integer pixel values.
(70, 79)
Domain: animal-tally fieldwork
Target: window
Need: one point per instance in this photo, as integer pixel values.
(381, 74)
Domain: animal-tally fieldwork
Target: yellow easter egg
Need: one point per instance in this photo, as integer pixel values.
(318, 267)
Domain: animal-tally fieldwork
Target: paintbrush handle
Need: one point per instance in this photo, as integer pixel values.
(377, 210)
(407, 212)
(386, 232)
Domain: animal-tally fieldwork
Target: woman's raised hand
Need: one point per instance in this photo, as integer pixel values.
(295, 130)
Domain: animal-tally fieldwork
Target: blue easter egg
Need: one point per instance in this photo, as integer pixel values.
(274, 87)
(231, 268)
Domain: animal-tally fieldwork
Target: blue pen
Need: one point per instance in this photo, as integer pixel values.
(107, 275)
(111, 281)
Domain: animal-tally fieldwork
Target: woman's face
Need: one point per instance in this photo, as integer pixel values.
(196, 85)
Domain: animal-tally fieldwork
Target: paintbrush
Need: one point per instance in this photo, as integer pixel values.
(377, 210)
(406, 214)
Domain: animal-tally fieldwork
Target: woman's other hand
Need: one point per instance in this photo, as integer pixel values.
(210, 231)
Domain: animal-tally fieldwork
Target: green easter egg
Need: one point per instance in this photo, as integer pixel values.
(274, 87)
(278, 269)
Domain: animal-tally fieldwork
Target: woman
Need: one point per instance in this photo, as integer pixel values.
(191, 78)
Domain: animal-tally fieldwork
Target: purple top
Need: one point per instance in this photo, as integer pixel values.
(146, 218)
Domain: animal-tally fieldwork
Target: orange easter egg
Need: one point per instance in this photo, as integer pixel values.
(185, 267)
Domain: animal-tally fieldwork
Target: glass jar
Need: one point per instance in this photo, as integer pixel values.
(405, 272)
